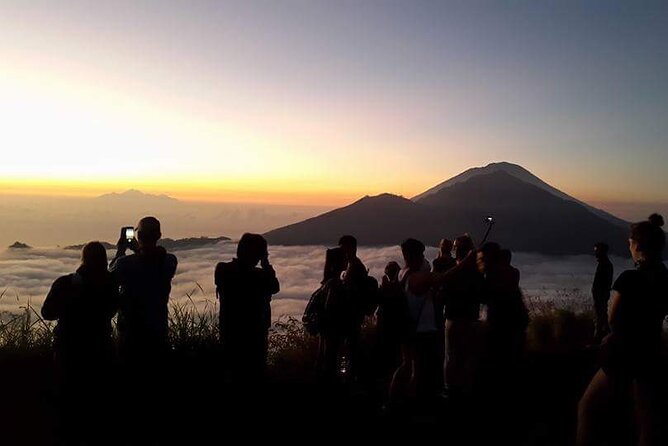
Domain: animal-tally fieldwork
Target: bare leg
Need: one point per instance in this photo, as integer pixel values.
(593, 408)
(403, 378)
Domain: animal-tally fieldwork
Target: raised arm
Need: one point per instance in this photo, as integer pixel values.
(273, 285)
(421, 282)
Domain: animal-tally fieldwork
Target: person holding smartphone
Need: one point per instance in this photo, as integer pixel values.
(244, 291)
(145, 279)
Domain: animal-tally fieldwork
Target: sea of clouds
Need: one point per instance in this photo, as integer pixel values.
(26, 275)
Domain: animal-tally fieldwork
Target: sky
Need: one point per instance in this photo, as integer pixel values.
(321, 102)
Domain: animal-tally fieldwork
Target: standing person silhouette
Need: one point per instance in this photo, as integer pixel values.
(462, 313)
(600, 291)
(245, 291)
(330, 331)
(504, 341)
(426, 344)
(630, 359)
(145, 279)
(83, 303)
(393, 319)
(444, 261)
(507, 318)
(349, 296)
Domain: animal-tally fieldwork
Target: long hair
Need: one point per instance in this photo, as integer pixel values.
(94, 257)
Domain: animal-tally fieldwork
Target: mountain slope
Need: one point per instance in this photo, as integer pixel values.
(524, 175)
(528, 218)
(381, 220)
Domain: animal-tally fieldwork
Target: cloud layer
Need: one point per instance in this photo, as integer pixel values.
(26, 275)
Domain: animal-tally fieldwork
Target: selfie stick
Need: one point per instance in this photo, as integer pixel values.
(490, 223)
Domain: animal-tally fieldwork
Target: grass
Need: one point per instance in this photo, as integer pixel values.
(564, 323)
(558, 364)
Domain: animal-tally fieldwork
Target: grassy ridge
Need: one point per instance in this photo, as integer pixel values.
(564, 322)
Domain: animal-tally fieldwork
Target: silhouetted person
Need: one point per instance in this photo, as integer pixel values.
(83, 303)
(630, 355)
(444, 261)
(425, 345)
(507, 315)
(462, 312)
(504, 342)
(349, 299)
(145, 279)
(600, 291)
(506, 259)
(326, 325)
(393, 319)
(245, 291)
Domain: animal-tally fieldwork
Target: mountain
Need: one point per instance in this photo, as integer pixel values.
(190, 243)
(136, 196)
(530, 216)
(19, 245)
(79, 247)
(522, 174)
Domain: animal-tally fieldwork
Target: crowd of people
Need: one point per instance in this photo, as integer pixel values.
(443, 329)
(431, 341)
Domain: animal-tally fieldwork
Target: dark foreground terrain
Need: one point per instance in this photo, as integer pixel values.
(196, 406)
(200, 409)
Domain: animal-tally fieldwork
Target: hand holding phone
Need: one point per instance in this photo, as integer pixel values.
(264, 262)
(128, 233)
(127, 239)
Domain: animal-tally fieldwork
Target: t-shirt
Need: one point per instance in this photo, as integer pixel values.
(421, 307)
(83, 304)
(145, 282)
(463, 295)
(643, 305)
(245, 296)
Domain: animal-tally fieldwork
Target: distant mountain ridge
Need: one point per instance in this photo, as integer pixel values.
(531, 216)
(134, 194)
(19, 245)
(169, 244)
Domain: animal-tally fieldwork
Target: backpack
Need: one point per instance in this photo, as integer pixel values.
(313, 313)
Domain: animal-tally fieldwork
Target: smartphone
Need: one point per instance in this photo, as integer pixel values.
(129, 233)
